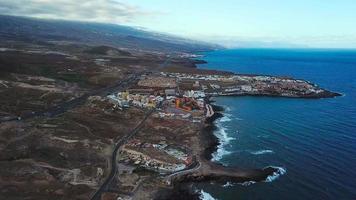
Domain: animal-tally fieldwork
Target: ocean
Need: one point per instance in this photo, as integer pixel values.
(312, 141)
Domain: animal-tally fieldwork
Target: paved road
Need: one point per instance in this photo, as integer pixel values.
(122, 141)
(114, 167)
(64, 107)
(195, 167)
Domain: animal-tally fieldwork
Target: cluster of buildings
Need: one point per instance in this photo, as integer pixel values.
(161, 157)
(277, 85)
(188, 104)
(207, 77)
(158, 82)
(180, 104)
(183, 108)
(231, 84)
(198, 94)
(188, 55)
(125, 100)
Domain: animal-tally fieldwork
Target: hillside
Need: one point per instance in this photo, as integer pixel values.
(39, 30)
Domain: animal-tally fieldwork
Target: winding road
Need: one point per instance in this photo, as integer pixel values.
(122, 141)
(114, 166)
(65, 106)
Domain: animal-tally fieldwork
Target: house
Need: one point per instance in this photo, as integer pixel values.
(196, 84)
(246, 88)
(170, 92)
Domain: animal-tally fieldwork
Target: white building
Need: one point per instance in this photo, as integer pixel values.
(247, 88)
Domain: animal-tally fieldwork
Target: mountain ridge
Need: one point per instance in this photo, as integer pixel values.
(118, 36)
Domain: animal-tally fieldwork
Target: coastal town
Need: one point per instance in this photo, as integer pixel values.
(156, 132)
(180, 98)
(240, 85)
(104, 122)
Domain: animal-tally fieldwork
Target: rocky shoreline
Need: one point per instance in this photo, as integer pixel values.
(325, 94)
(183, 187)
(211, 142)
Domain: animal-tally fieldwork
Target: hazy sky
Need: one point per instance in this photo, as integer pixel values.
(315, 23)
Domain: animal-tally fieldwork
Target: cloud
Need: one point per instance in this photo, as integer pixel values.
(108, 11)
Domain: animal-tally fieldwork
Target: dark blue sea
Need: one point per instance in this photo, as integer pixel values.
(313, 142)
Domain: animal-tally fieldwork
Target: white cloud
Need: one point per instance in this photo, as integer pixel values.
(109, 11)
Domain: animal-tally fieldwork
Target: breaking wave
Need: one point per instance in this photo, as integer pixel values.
(224, 140)
(280, 171)
(261, 152)
(225, 118)
(247, 183)
(206, 196)
(228, 184)
(227, 108)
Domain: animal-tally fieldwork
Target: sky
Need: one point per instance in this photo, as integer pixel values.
(234, 23)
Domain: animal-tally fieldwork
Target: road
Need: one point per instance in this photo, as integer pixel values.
(195, 167)
(114, 167)
(168, 179)
(65, 106)
(122, 141)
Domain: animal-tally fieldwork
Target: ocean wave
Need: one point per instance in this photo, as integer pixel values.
(261, 152)
(227, 108)
(228, 184)
(220, 153)
(223, 135)
(229, 117)
(225, 118)
(206, 196)
(224, 140)
(280, 171)
(246, 183)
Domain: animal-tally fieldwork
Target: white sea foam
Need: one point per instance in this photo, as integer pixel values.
(225, 118)
(247, 183)
(222, 134)
(206, 196)
(280, 171)
(228, 184)
(261, 152)
(219, 154)
(224, 139)
(227, 108)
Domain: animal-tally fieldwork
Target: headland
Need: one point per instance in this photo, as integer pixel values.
(82, 121)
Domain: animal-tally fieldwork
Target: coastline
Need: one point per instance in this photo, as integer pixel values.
(208, 137)
(209, 134)
(183, 186)
(184, 189)
(326, 94)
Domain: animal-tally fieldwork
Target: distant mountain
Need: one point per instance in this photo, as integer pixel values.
(40, 30)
